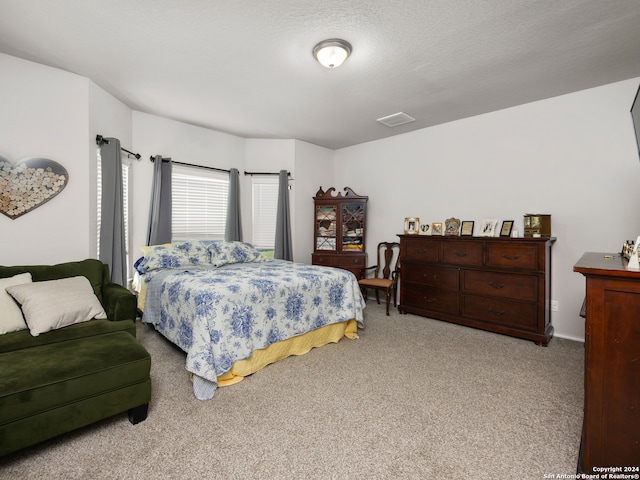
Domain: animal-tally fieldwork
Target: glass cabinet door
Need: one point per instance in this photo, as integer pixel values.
(353, 227)
(326, 217)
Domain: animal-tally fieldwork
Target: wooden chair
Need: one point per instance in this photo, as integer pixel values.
(385, 273)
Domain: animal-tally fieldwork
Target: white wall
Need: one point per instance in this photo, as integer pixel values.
(314, 168)
(45, 114)
(573, 157)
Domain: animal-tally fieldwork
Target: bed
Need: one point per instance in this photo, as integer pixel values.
(233, 312)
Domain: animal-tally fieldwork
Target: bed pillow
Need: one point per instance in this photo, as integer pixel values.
(180, 255)
(11, 319)
(234, 252)
(145, 248)
(53, 304)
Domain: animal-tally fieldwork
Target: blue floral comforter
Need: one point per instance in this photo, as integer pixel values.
(219, 315)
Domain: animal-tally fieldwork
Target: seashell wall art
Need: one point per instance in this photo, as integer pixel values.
(29, 183)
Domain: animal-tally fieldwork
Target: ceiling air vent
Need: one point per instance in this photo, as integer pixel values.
(395, 119)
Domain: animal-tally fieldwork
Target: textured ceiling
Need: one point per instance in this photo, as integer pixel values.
(245, 67)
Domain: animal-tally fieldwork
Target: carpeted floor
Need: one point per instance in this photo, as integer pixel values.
(412, 398)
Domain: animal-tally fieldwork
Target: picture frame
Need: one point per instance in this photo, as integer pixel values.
(411, 225)
(466, 229)
(436, 228)
(488, 227)
(505, 230)
(452, 227)
(425, 229)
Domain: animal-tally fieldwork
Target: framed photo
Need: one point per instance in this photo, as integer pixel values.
(436, 228)
(488, 228)
(452, 226)
(505, 231)
(425, 229)
(466, 230)
(411, 225)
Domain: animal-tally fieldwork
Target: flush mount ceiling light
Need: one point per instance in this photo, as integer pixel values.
(332, 53)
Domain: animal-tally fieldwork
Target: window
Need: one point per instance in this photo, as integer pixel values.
(199, 203)
(264, 194)
(126, 174)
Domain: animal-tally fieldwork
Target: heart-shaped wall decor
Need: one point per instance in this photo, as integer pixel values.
(28, 184)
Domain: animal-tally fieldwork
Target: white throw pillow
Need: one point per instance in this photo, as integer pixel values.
(54, 304)
(10, 314)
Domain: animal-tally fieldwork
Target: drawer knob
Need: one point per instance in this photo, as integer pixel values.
(497, 287)
(506, 257)
(430, 300)
(461, 254)
(421, 250)
(497, 313)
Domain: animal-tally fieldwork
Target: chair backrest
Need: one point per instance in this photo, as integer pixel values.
(388, 259)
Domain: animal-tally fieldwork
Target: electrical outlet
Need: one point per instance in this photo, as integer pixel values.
(554, 305)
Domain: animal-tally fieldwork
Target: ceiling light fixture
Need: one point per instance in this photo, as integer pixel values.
(332, 53)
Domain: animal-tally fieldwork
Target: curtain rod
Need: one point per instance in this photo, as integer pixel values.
(153, 159)
(266, 173)
(100, 140)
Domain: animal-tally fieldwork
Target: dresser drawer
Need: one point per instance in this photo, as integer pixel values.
(434, 299)
(506, 285)
(462, 253)
(337, 260)
(420, 249)
(499, 311)
(431, 275)
(512, 256)
(351, 262)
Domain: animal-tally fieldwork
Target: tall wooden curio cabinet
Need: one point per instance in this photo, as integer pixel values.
(339, 231)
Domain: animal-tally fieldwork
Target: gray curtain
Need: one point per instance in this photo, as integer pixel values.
(112, 247)
(160, 211)
(233, 230)
(283, 248)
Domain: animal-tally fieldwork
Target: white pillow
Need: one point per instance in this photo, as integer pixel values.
(54, 304)
(10, 314)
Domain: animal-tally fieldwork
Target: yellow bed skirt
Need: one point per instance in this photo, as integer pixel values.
(293, 346)
(277, 351)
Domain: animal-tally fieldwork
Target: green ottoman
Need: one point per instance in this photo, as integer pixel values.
(52, 389)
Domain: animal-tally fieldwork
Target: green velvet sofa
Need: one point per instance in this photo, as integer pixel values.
(76, 375)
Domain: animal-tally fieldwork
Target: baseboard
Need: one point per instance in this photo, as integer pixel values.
(569, 337)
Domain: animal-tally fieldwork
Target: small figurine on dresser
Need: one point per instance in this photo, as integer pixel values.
(631, 253)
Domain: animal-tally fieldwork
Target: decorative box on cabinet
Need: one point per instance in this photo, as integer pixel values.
(611, 427)
(339, 231)
(497, 284)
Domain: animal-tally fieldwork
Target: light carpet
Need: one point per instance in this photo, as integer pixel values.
(412, 398)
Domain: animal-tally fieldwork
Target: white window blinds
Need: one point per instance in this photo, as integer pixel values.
(199, 203)
(264, 193)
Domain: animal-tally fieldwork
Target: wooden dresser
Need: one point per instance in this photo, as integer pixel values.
(611, 428)
(493, 283)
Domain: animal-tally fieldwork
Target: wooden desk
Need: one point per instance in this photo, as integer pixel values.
(611, 428)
